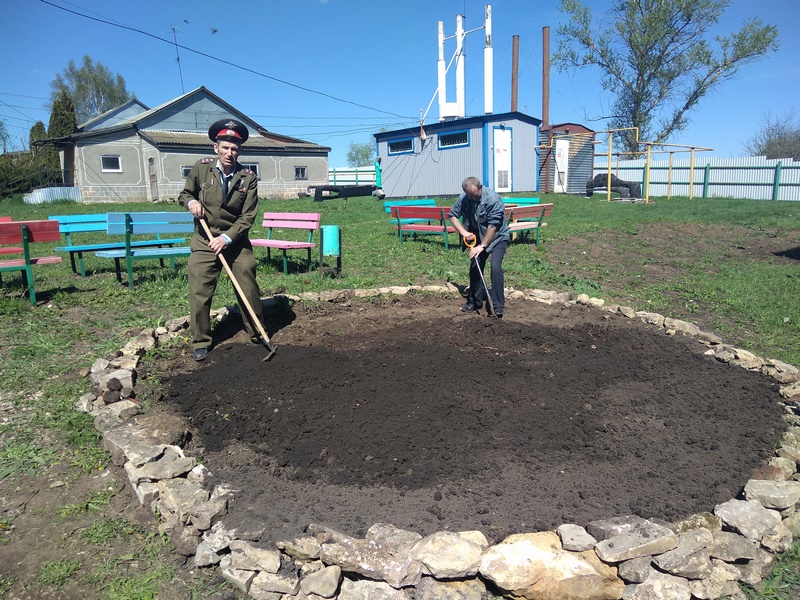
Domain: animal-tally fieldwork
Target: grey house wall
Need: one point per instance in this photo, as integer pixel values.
(276, 172)
(129, 185)
(430, 171)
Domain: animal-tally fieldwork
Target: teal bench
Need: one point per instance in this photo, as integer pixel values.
(387, 207)
(71, 224)
(146, 223)
(520, 201)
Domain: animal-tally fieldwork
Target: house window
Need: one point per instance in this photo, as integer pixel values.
(404, 146)
(456, 138)
(185, 171)
(301, 172)
(110, 164)
(252, 167)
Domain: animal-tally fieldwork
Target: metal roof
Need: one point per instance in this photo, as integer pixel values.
(197, 140)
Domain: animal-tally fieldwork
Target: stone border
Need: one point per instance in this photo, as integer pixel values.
(704, 556)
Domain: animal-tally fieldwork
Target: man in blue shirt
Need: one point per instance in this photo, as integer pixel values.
(479, 214)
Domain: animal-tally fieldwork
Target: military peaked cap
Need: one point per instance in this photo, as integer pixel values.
(228, 130)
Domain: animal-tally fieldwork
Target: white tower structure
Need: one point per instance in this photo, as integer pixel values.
(458, 108)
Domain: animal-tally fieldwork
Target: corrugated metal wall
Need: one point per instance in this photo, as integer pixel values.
(581, 162)
(53, 194)
(753, 177)
(430, 171)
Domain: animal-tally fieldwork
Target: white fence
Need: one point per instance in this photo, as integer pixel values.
(753, 177)
(351, 175)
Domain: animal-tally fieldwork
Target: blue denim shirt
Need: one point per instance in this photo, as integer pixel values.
(478, 217)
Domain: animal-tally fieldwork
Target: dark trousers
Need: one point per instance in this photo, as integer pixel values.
(204, 269)
(477, 295)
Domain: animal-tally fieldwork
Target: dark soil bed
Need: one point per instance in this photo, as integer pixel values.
(410, 413)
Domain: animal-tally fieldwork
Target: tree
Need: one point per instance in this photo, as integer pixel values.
(656, 59)
(360, 154)
(92, 87)
(778, 137)
(45, 155)
(63, 120)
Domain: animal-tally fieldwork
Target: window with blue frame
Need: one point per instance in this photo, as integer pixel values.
(404, 146)
(453, 139)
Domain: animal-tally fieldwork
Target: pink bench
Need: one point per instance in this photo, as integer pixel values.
(290, 220)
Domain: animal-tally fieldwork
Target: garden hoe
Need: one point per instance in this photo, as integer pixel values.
(489, 306)
(268, 344)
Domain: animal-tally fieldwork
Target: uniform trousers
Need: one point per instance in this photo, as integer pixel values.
(204, 269)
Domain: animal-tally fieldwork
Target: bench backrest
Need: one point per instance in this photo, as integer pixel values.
(532, 211)
(80, 223)
(5, 219)
(144, 223)
(291, 220)
(520, 201)
(431, 213)
(17, 232)
(387, 206)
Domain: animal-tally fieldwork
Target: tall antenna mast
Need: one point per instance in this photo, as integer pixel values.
(178, 57)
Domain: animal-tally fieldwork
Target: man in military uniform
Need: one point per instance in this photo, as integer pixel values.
(224, 193)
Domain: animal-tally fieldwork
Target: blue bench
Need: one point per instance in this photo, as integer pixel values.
(71, 224)
(387, 207)
(146, 223)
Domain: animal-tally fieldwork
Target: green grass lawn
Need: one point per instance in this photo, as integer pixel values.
(730, 265)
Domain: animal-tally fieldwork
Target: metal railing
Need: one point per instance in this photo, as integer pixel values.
(756, 178)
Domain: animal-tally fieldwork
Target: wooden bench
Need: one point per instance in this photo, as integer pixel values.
(27, 233)
(387, 207)
(146, 223)
(409, 221)
(288, 220)
(71, 224)
(527, 218)
(9, 249)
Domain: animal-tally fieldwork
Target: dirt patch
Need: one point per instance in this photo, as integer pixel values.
(411, 413)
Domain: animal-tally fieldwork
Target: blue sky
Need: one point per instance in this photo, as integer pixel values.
(336, 71)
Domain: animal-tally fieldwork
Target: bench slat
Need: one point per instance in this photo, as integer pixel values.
(283, 224)
(118, 245)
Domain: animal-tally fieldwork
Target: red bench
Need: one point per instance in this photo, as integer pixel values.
(527, 218)
(429, 220)
(9, 249)
(289, 220)
(27, 233)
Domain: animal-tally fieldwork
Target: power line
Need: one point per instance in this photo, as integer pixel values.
(226, 62)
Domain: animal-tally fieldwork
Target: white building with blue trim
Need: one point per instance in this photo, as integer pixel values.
(499, 149)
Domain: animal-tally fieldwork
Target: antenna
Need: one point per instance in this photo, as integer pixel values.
(178, 57)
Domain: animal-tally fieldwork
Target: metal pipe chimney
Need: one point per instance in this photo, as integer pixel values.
(514, 72)
(545, 75)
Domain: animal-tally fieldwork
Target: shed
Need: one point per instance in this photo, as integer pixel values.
(566, 158)
(433, 160)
